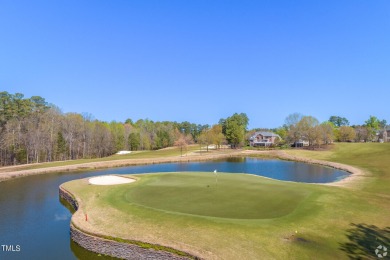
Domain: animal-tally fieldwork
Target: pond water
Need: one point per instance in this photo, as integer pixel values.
(33, 219)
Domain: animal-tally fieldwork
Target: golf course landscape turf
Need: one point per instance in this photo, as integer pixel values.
(235, 196)
(240, 216)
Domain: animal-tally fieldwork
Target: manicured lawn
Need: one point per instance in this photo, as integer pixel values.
(236, 196)
(172, 151)
(249, 217)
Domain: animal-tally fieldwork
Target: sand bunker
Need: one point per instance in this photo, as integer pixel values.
(109, 180)
(123, 152)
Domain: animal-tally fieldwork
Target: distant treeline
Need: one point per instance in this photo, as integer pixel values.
(31, 131)
(301, 129)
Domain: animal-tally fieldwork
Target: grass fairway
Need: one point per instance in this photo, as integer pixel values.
(148, 154)
(249, 217)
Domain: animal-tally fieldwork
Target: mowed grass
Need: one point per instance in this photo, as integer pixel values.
(235, 196)
(148, 154)
(280, 220)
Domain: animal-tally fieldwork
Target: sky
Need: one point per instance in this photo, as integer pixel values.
(200, 60)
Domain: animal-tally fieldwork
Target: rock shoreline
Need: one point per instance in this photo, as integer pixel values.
(113, 248)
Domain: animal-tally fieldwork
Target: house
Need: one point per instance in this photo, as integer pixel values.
(384, 135)
(300, 143)
(263, 139)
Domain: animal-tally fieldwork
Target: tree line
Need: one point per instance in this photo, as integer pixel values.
(300, 128)
(32, 131)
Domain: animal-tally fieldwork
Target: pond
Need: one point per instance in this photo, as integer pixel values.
(33, 218)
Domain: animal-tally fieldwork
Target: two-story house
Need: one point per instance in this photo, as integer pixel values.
(264, 139)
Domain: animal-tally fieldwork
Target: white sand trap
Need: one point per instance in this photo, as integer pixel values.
(109, 180)
(123, 152)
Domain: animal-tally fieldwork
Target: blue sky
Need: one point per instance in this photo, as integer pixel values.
(200, 60)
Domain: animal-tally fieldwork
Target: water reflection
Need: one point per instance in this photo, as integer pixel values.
(276, 169)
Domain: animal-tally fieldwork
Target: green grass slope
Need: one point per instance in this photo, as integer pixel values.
(147, 154)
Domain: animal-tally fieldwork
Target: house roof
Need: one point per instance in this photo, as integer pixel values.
(386, 128)
(266, 134)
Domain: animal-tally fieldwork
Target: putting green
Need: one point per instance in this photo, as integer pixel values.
(235, 196)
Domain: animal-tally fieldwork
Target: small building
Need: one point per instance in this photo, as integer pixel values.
(300, 143)
(384, 135)
(264, 139)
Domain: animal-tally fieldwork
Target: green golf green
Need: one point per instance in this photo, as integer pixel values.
(237, 196)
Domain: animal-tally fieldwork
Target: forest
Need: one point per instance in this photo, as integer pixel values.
(33, 131)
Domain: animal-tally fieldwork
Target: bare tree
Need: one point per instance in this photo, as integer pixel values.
(293, 119)
(361, 134)
(183, 141)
